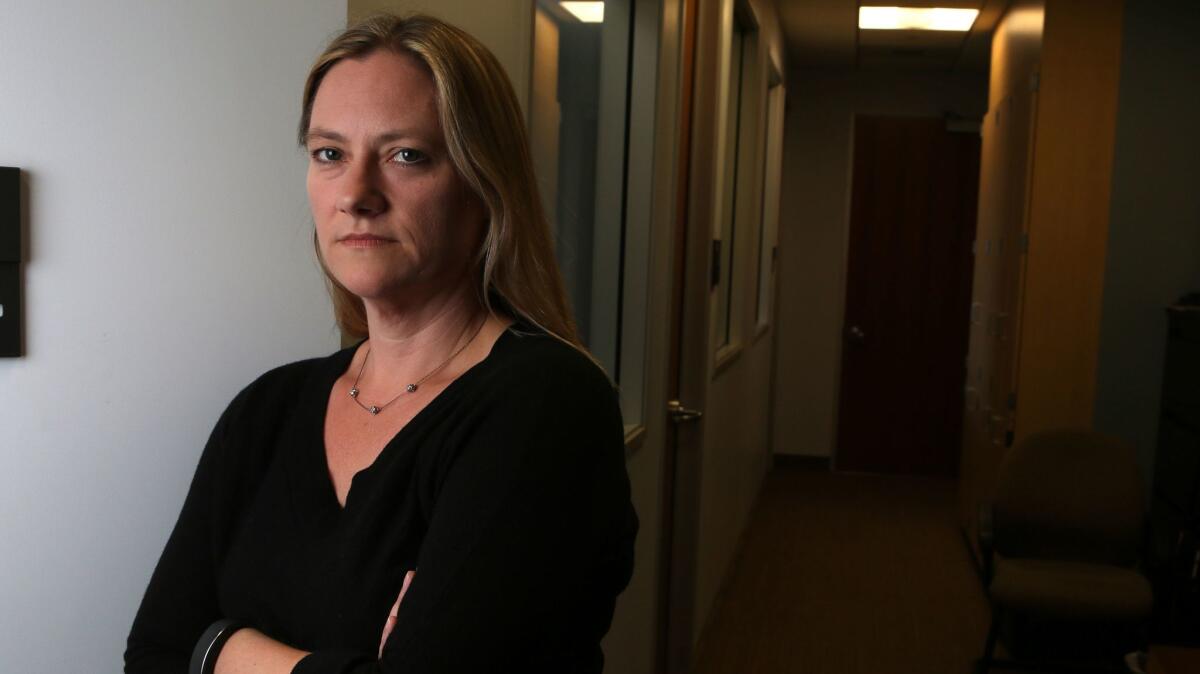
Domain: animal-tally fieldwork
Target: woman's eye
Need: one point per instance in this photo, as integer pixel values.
(408, 156)
(326, 155)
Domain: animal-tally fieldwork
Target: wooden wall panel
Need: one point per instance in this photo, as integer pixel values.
(1045, 179)
(1016, 48)
(1069, 212)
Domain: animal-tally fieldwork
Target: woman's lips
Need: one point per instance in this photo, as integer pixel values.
(364, 241)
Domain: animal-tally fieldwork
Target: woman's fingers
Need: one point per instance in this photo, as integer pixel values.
(404, 588)
(390, 623)
(387, 629)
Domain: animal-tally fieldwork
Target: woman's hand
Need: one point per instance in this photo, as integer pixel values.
(391, 620)
(249, 650)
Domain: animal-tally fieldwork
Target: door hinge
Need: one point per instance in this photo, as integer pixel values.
(1024, 242)
(1035, 81)
(1012, 401)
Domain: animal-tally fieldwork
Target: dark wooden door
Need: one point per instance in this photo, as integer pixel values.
(908, 288)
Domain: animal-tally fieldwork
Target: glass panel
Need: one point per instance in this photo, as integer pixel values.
(578, 136)
(641, 191)
(769, 225)
(724, 314)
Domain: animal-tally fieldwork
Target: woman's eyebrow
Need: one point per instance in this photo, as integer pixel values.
(396, 134)
(317, 132)
(385, 137)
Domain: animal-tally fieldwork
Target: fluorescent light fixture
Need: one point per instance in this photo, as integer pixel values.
(587, 12)
(915, 18)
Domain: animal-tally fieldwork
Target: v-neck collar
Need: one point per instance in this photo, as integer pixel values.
(319, 498)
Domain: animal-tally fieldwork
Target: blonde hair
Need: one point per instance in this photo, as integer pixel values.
(485, 137)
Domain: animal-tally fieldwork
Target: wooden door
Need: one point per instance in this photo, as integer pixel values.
(913, 208)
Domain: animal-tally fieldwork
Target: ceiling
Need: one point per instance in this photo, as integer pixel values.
(825, 34)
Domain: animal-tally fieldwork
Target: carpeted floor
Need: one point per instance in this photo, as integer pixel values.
(849, 574)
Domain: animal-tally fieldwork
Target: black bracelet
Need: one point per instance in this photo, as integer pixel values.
(204, 656)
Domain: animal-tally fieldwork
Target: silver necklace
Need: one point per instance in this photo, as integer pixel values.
(411, 388)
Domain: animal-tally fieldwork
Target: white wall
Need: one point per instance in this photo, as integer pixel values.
(814, 230)
(169, 263)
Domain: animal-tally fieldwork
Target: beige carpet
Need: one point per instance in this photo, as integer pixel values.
(848, 574)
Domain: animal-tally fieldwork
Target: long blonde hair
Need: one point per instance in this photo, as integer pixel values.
(486, 140)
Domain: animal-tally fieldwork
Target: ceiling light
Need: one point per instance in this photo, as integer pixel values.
(587, 12)
(915, 18)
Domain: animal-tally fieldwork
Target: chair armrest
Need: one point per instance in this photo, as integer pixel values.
(987, 540)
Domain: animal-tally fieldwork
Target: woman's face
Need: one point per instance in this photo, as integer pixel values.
(395, 222)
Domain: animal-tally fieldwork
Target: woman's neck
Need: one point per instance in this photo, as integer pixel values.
(409, 342)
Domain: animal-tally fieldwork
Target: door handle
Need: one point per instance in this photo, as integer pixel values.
(679, 414)
(855, 334)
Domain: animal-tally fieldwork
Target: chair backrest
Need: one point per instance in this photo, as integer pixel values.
(1069, 495)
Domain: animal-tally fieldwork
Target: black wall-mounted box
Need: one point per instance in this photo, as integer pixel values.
(10, 262)
(10, 214)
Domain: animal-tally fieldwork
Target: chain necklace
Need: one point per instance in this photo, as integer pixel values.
(411, 388)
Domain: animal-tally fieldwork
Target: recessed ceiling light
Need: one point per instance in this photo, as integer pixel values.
(587, 12)
(915, 18)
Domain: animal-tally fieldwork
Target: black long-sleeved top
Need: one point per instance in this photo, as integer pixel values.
(508, 492)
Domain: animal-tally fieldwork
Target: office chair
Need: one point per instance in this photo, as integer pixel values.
(1061, 539)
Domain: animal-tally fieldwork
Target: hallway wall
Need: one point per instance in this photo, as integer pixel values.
(169, 263)
(1154, 230)
(735, 454)
(814, 230)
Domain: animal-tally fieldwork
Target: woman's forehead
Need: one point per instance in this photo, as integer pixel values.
(382, 89)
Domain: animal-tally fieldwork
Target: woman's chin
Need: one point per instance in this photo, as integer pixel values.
(376, 289)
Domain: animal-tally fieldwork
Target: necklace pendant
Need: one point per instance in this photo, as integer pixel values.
(353, 393)
(411, 388)
(373, 409)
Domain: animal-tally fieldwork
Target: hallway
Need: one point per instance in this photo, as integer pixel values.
(848, 574)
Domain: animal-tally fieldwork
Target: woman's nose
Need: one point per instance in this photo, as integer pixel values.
(361, 196)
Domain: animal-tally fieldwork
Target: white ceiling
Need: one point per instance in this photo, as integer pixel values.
(824, 34)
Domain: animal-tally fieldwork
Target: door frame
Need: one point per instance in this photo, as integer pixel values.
(688, 345)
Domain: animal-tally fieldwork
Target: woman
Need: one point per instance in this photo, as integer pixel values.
(468, 434)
